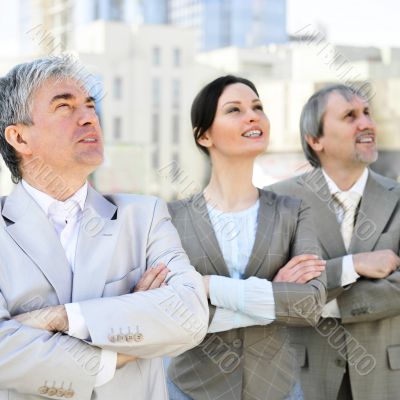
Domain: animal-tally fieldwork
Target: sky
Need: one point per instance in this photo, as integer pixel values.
(358, 22)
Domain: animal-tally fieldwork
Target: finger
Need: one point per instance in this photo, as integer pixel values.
(298, 259)
(147, 278)
(159, 279)
(307, 270)
(320, 264)
(308, 277)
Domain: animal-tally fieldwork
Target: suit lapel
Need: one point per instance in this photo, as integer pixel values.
(376, 207)
(35, 235)
(204, 230)
(95, 247)
(265, 230)
(319, 198)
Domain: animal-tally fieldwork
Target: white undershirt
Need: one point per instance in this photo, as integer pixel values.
(69, 215)
(349, 275)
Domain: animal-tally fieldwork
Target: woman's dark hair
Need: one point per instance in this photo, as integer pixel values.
(204, 105)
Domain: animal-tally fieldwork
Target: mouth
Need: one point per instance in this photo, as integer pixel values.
(365, 139)
(89, 139)
(253, 133)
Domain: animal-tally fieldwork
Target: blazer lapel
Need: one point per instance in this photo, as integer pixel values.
(95, 247)
(204, 230)
(265, 230)
(376, 207)
(35, 235)
(319, 198)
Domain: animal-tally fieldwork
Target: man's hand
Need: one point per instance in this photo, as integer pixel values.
(301, 269)
(53, 319)
(376, 264)
(123, 359)
(153, 278)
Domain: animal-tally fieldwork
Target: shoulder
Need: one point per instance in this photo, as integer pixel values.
(387, 183)
(283, 202)
(179, 208)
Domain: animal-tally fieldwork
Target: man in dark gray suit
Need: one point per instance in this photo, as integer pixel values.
(354, 352)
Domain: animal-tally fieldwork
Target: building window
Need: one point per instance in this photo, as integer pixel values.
(156, 92)
(176, 93)
(175, 129)
(117, 88)
(117, 125)
(156, 56)
(177, 57)
(155, 128)
(116, 10)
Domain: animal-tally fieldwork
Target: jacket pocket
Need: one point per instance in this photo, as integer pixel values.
(394, 356)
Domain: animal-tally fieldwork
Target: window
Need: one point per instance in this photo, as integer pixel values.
(117, 88)
(176, 92)
(177, 57)
(117, 124)
(175, 129)
(156, 56)
(156, 91)
(155, 159)
(155, 128)
(116, 10)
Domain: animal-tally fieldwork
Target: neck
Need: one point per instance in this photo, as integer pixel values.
(230, 188)
(344, 178)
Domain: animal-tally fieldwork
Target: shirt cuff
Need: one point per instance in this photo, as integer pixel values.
(227, 292)
(108, 365)
(259, 299)
(349, 274)
(76, 322)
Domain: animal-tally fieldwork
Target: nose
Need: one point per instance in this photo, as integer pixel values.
(87, 116)
(366, 123)
(252, 115)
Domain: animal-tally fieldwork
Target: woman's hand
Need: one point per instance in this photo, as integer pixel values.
(153, 278)
(301, 269)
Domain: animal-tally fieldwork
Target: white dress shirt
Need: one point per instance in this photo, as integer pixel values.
(349, 275)
(239, 302)
(66, 218)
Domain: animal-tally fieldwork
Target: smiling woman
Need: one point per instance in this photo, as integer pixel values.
(253, 277)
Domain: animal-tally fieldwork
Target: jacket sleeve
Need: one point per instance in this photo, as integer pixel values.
(301, 304)
(33, 359)
(164, 321)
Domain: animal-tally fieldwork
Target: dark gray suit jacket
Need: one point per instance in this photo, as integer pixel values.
(368, 336)
(254, 362)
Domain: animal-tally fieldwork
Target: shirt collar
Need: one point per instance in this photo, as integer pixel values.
(358, 187)
(44, 200)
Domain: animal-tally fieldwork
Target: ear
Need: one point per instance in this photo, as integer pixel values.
(205, 139)
(15, 137)
(315, 143)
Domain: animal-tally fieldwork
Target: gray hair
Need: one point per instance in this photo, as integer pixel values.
(312, 116)
(16, 93)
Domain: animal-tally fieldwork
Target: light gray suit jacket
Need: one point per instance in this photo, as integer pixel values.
(368, 336)
(254, 362)
(120, 236)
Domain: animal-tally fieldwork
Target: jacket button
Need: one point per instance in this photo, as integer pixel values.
(69, 393)
(237, 343)
(121, 338)
(138, 337)
(112, 338)
(43, 389)
(60, 392)
(52, 391)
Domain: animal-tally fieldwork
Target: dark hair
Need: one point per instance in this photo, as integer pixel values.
(204, 105)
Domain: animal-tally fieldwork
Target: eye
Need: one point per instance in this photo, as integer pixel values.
(259, 107)
(62, 105)
(91, 105)
(366, 111)
(350, 114)
(232, 109)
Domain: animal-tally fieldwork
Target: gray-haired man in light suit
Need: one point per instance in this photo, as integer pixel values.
(354, 352)
(70, 326)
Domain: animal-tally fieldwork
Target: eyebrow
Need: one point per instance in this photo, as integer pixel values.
(69, 96)
(239, 102)
(367, 107)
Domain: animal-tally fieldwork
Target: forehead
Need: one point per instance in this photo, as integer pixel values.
(57, 86)
(336, 102)
(237, 92)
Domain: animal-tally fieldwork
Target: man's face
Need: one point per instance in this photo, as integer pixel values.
(66, 134)
(349, 136)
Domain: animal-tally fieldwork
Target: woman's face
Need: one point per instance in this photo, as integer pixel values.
(240, 126)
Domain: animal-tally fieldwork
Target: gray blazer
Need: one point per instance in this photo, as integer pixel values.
(254, 362)
(368, 336)
(120, 236)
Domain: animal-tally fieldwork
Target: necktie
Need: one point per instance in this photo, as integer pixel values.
(349, 202)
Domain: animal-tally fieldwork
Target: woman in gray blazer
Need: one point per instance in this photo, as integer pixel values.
(257, 253)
